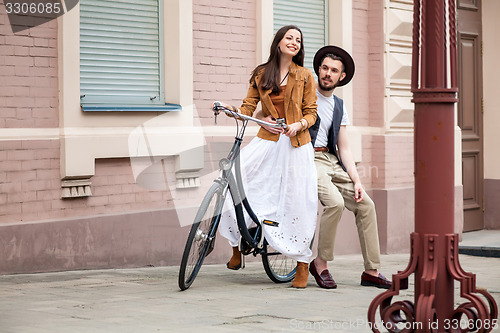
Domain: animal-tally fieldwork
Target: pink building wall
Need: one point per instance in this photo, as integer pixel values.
(224, 43)
(390, 155)
(29, 170)
(28, 76)
(122, 224)
(30, 181)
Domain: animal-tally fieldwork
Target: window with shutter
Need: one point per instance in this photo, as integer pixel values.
(120, 55)
(310, 16)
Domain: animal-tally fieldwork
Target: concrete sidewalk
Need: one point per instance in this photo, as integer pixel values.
(148, 299)
(483, 243)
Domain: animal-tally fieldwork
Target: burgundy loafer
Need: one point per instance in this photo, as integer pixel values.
(324, 280)
(375, 281)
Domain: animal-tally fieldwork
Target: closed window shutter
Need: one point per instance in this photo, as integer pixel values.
(120, 52)
(310, 16)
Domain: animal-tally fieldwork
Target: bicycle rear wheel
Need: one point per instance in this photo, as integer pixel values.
(278, 267)
(201, 239)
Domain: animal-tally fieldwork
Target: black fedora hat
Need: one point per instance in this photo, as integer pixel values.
(346, 57)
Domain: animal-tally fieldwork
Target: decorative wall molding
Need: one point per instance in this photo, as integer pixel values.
(398, 17)
(76, 188)
(187, 179)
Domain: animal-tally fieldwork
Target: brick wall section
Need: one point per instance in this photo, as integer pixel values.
(376, 64)
(371, 170)
(224, 44)
(399, 161)
(115, 190)
(28, 76)
(387, 161)
(373, 162)
(30, 179)
(361, 84)
(368, 53)
(30, 186)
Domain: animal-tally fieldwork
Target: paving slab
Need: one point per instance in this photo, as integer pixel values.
(482, 243)
(148, 299)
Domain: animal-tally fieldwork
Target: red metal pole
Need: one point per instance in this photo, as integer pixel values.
(434, 246)
(434, 168)
(434, 197)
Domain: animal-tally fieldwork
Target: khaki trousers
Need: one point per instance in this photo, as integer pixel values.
(336, 191)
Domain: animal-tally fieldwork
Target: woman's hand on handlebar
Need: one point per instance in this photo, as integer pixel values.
(271, 120)
(259, 115)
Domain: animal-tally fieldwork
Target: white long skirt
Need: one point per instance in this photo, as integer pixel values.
(281, 185)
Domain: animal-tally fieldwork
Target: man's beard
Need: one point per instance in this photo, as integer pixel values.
(325, 88)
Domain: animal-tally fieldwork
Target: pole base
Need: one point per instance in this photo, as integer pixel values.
(480, 310)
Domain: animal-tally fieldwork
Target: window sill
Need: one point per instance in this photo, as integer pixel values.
(155, 108)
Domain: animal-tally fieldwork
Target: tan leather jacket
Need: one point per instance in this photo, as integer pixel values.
(300, 102)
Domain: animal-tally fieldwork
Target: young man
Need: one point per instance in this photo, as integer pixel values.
(339, 185)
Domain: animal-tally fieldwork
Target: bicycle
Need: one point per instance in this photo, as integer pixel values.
(201, 239)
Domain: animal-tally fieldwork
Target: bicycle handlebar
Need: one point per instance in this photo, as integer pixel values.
(280, 123)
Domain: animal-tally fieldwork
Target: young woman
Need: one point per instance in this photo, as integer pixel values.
(278, 167)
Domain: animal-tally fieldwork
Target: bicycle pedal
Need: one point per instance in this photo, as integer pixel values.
(242, 261)
(270, 223)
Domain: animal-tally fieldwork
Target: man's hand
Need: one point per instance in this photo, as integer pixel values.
(358, 192)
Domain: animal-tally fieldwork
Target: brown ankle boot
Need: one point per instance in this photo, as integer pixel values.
(235, 261)
(301, 275)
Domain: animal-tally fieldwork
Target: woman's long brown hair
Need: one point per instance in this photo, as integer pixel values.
(271, 76)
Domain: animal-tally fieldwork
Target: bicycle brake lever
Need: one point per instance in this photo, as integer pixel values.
(216, 110)
(281, 122)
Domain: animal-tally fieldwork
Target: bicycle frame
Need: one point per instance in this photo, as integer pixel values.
(234, 182)
(240, 201)
(201, 238)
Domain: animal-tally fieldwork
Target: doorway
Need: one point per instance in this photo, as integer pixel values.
(470, 110)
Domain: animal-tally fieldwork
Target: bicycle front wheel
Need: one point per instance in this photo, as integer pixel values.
(278, 267)
(201, 239)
